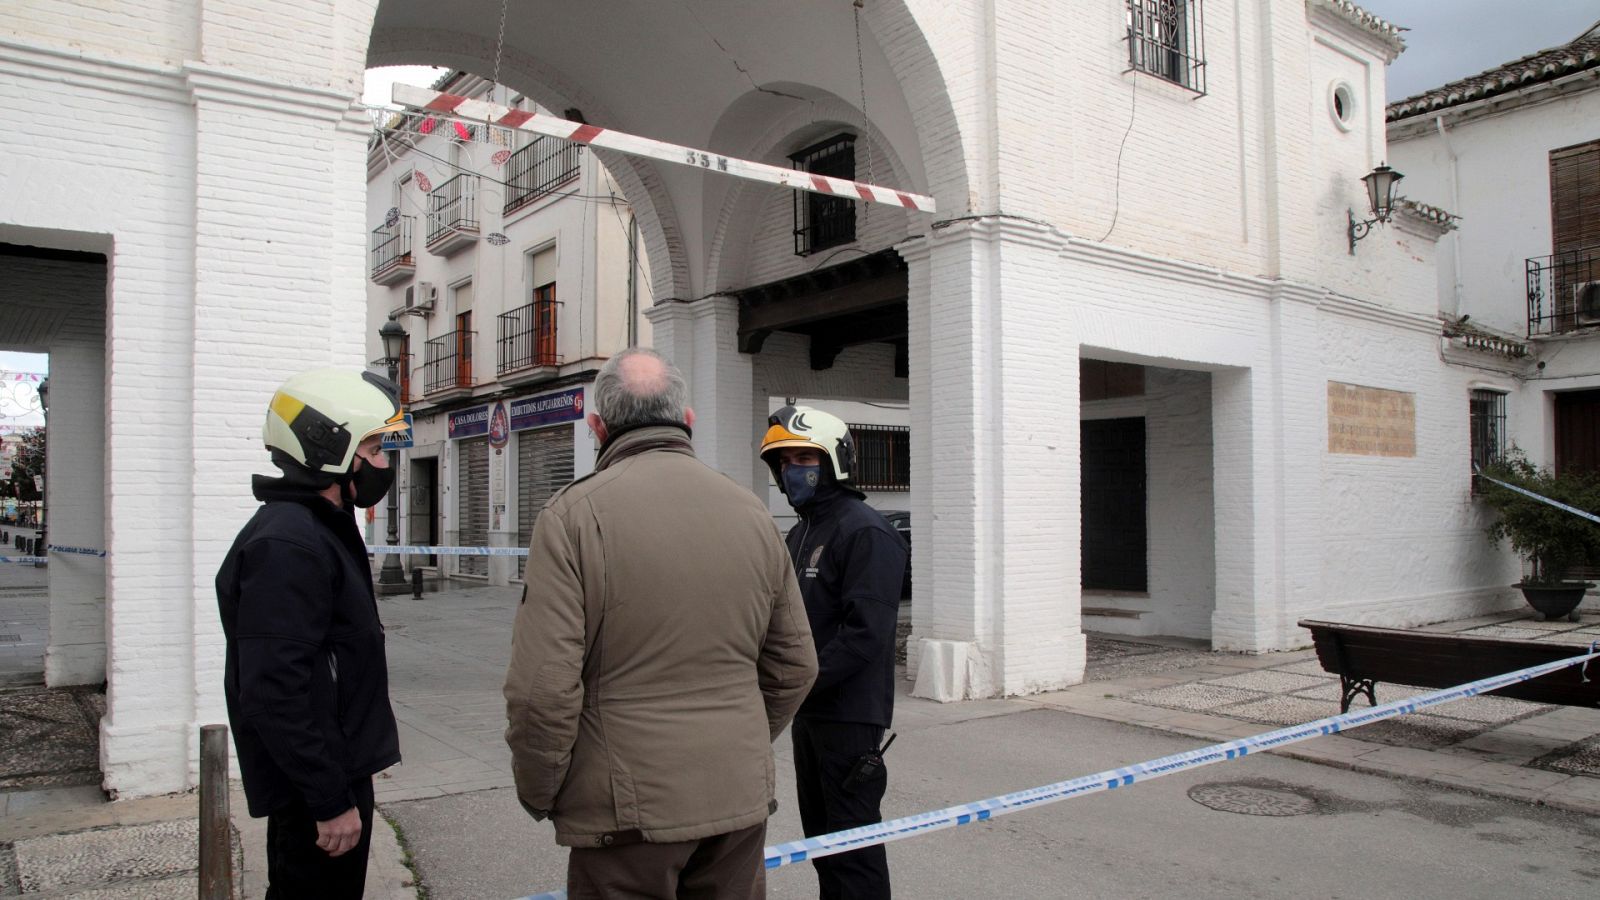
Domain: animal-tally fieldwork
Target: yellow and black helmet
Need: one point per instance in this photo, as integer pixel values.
(803, 426)
(318, 418)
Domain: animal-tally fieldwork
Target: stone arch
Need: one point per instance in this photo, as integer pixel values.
(907, 31)
(726, 262)
(639, 178)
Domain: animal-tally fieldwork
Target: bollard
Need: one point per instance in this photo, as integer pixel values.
(216, 852)
(416, 584)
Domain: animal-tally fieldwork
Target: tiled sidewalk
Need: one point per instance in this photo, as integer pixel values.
(1528, 751)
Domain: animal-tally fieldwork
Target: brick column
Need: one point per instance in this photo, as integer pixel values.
(277, 170)
(1269, 439)
(701, 339)
(994, 395)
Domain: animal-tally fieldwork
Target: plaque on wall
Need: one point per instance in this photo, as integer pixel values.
(1367, 421)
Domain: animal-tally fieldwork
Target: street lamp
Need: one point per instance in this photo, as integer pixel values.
(391, 578)
(44, 471)
(1380, 197)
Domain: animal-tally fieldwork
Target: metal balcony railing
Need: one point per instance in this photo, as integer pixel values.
(1563, 291)
(528, 335)
(447, 362)
(391, 246)
(538, 169)
(453, 206)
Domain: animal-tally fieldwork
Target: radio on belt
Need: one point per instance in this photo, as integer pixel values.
(868, 765)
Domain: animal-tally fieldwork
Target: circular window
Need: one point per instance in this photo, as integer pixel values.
(1342, 104)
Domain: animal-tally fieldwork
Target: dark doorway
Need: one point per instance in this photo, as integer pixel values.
(1114, 538)
(422, 506)
(1578, 431)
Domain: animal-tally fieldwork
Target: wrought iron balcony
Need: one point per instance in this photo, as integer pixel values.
(392, 261)
(453, 214)
(1563, 291)
(538, 169)
(447, 363)
(528, 335)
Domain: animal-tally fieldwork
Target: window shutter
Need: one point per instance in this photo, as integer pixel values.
(1575, 197)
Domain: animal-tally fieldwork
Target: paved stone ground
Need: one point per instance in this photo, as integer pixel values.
(49, 738)
(1288, 689)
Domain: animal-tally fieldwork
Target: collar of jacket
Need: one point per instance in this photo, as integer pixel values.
(826, 498)
(341, 521)
(642, 439)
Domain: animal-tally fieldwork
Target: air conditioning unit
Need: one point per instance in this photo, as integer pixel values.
(1586, 301)
(421, 297)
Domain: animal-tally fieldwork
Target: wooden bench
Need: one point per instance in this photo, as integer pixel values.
(1362, 656)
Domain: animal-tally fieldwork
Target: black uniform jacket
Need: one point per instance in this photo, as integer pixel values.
(306, 678)
(851, 564)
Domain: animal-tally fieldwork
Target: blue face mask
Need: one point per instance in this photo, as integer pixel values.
(800, 483)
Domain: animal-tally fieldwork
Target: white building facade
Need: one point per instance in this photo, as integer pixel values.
(1137, 294)
(513, 263)
(1516, 151)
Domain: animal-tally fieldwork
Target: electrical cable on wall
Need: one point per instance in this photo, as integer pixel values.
(1116, 202)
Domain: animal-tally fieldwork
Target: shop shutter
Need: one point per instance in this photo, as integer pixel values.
(544, 466)
(472, 503)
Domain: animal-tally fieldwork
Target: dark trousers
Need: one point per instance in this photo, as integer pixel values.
(724, 867)
(297, 868)
(823, 755)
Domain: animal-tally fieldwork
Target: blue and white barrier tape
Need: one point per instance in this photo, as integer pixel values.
(407, 550)
(1543, 499)
(53, 548)
(77, 551)
(981, 810)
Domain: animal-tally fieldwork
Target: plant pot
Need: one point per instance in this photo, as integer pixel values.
(1552, 601)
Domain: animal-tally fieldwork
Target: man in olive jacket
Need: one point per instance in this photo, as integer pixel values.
(661, 646)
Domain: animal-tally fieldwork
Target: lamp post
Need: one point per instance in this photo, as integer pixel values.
(1380, 184)
(391, 578)
(44, 471)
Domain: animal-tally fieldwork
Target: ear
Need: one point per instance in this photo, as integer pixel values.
(688, 416)
(597, 426)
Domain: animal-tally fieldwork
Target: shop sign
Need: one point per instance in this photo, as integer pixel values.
(547, 409)
(499, 428)
(468, 422)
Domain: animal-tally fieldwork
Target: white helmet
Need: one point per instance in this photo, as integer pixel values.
(318, 418)
(802, 426)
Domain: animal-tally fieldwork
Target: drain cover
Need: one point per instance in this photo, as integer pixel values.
(1251, 800)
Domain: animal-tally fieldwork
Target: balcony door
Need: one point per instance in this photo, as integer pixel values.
(1575, 230)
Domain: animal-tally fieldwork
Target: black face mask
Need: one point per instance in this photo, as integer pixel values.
(371, 484)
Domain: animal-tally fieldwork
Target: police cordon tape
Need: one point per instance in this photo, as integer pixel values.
(35, 560)
(408, 550)
(983, 810)
(1543, 499)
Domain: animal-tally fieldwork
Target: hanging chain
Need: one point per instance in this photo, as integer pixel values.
(500, 45)
(866, 123)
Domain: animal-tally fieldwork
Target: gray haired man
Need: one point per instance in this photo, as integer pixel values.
(661, 646)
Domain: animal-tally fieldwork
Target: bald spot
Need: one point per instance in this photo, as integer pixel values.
(643, 375)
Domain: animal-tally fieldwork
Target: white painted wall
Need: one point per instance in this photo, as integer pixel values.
(1494, 171)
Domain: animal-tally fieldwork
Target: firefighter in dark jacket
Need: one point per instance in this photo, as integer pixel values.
(306, 679)
(851, 564)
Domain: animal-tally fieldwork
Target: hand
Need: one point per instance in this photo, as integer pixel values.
(340, 833)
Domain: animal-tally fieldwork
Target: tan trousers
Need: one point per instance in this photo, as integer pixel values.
(723, 867)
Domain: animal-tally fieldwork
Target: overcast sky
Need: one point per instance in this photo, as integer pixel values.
(1450, 39)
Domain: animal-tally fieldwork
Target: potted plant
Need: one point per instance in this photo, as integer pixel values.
(1551, 541)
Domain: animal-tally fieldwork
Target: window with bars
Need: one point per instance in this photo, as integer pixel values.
(1166, 39)
(821, 220)
(883, 457)
(1486, 412)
